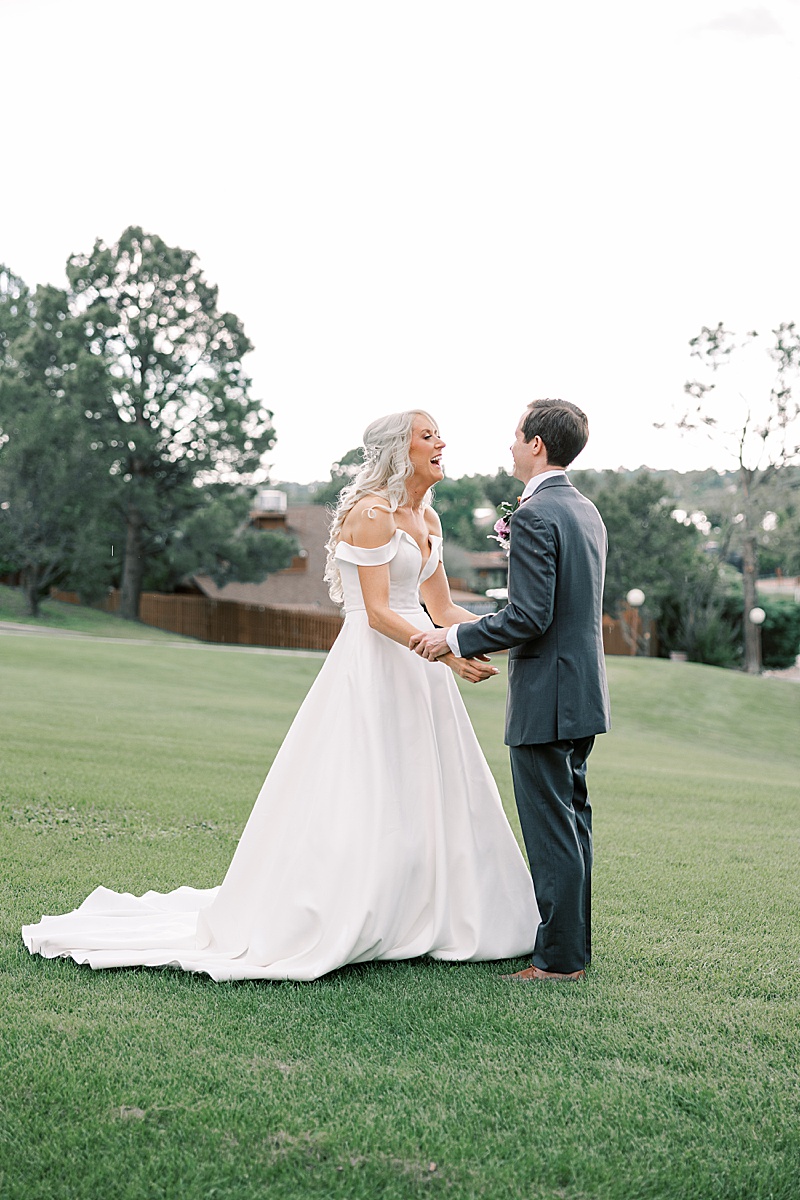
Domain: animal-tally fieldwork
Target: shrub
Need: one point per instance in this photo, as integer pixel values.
(780, 633)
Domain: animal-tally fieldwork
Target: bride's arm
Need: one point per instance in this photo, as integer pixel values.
(369, 528)
(439, 603)
(436, 590)
(375, 590)
(369, 532)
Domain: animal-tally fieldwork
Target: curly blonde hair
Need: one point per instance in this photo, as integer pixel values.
(385, 471)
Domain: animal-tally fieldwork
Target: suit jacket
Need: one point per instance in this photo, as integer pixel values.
(552, 624)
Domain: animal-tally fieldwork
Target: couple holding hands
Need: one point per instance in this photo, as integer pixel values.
(379, 833)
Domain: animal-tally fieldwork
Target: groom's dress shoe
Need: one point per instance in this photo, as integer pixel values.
(537, 975)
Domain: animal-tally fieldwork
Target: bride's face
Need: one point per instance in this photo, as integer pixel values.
(425, 451)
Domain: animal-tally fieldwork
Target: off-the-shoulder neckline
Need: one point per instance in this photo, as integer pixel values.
(432, 537)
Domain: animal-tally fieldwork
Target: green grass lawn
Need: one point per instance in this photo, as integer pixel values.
(75, 618)
(673, 1071)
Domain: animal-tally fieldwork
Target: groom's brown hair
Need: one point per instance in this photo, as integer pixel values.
(562, 426)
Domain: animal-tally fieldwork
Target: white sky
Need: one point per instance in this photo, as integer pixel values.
(428, 203)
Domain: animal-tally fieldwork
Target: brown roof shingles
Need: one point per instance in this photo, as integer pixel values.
(291, 588)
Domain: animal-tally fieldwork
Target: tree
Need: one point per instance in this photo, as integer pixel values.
(179, 410)
(50, 479)
(647, 548)
(687, 592)
(500, 488)
(758, 427)
(15, 312)
(779, 531)
(343, 473)
(217, 539)
(456, 501)
(780, 632)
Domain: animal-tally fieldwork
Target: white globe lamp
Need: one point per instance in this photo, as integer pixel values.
(635, 599)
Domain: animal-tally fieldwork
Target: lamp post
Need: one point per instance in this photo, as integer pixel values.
(756, 617)
(635, 599)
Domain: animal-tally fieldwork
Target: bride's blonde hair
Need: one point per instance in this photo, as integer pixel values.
(385, 470)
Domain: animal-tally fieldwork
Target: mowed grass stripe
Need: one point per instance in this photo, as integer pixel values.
(673, 1072)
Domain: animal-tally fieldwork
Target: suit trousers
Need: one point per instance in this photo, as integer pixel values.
(556, 819)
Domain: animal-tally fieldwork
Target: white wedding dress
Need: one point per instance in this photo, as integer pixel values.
(379, 833)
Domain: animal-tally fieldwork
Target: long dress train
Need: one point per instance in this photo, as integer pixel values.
(378, 834)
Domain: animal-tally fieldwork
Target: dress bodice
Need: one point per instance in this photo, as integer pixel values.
(406, 570)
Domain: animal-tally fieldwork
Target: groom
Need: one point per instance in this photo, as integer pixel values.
(557, 691)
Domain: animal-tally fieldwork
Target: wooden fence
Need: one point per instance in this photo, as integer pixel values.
(297, 628)
(630, 636)
(227, 621)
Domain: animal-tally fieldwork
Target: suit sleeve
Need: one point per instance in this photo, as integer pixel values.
(531, 591)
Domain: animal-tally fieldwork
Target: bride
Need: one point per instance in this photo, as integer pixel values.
(379, 833)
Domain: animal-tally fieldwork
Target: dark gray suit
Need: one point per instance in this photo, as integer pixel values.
(557, 701)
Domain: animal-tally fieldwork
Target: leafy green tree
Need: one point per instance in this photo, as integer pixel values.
(647, 548)
(779, 529)
(780, 633)
(759, 426)
(686, 592)
(342, 473)
(15, 312)
(456, 500)
(703, 616)
(51, 481)
(179, 410)
(217, 539)
(500, 488)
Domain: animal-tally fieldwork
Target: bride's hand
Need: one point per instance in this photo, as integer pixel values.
(474, 670)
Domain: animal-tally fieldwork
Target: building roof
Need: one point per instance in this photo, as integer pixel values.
(297, 586)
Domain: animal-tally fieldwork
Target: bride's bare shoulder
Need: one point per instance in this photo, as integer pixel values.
(369, 522)
(432, 521)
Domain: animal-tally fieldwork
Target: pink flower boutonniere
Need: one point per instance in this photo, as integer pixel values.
(502, 526)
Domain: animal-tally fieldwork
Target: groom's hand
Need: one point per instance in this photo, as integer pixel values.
(430, 645)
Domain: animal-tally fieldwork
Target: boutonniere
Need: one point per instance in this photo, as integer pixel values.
(502, 526)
